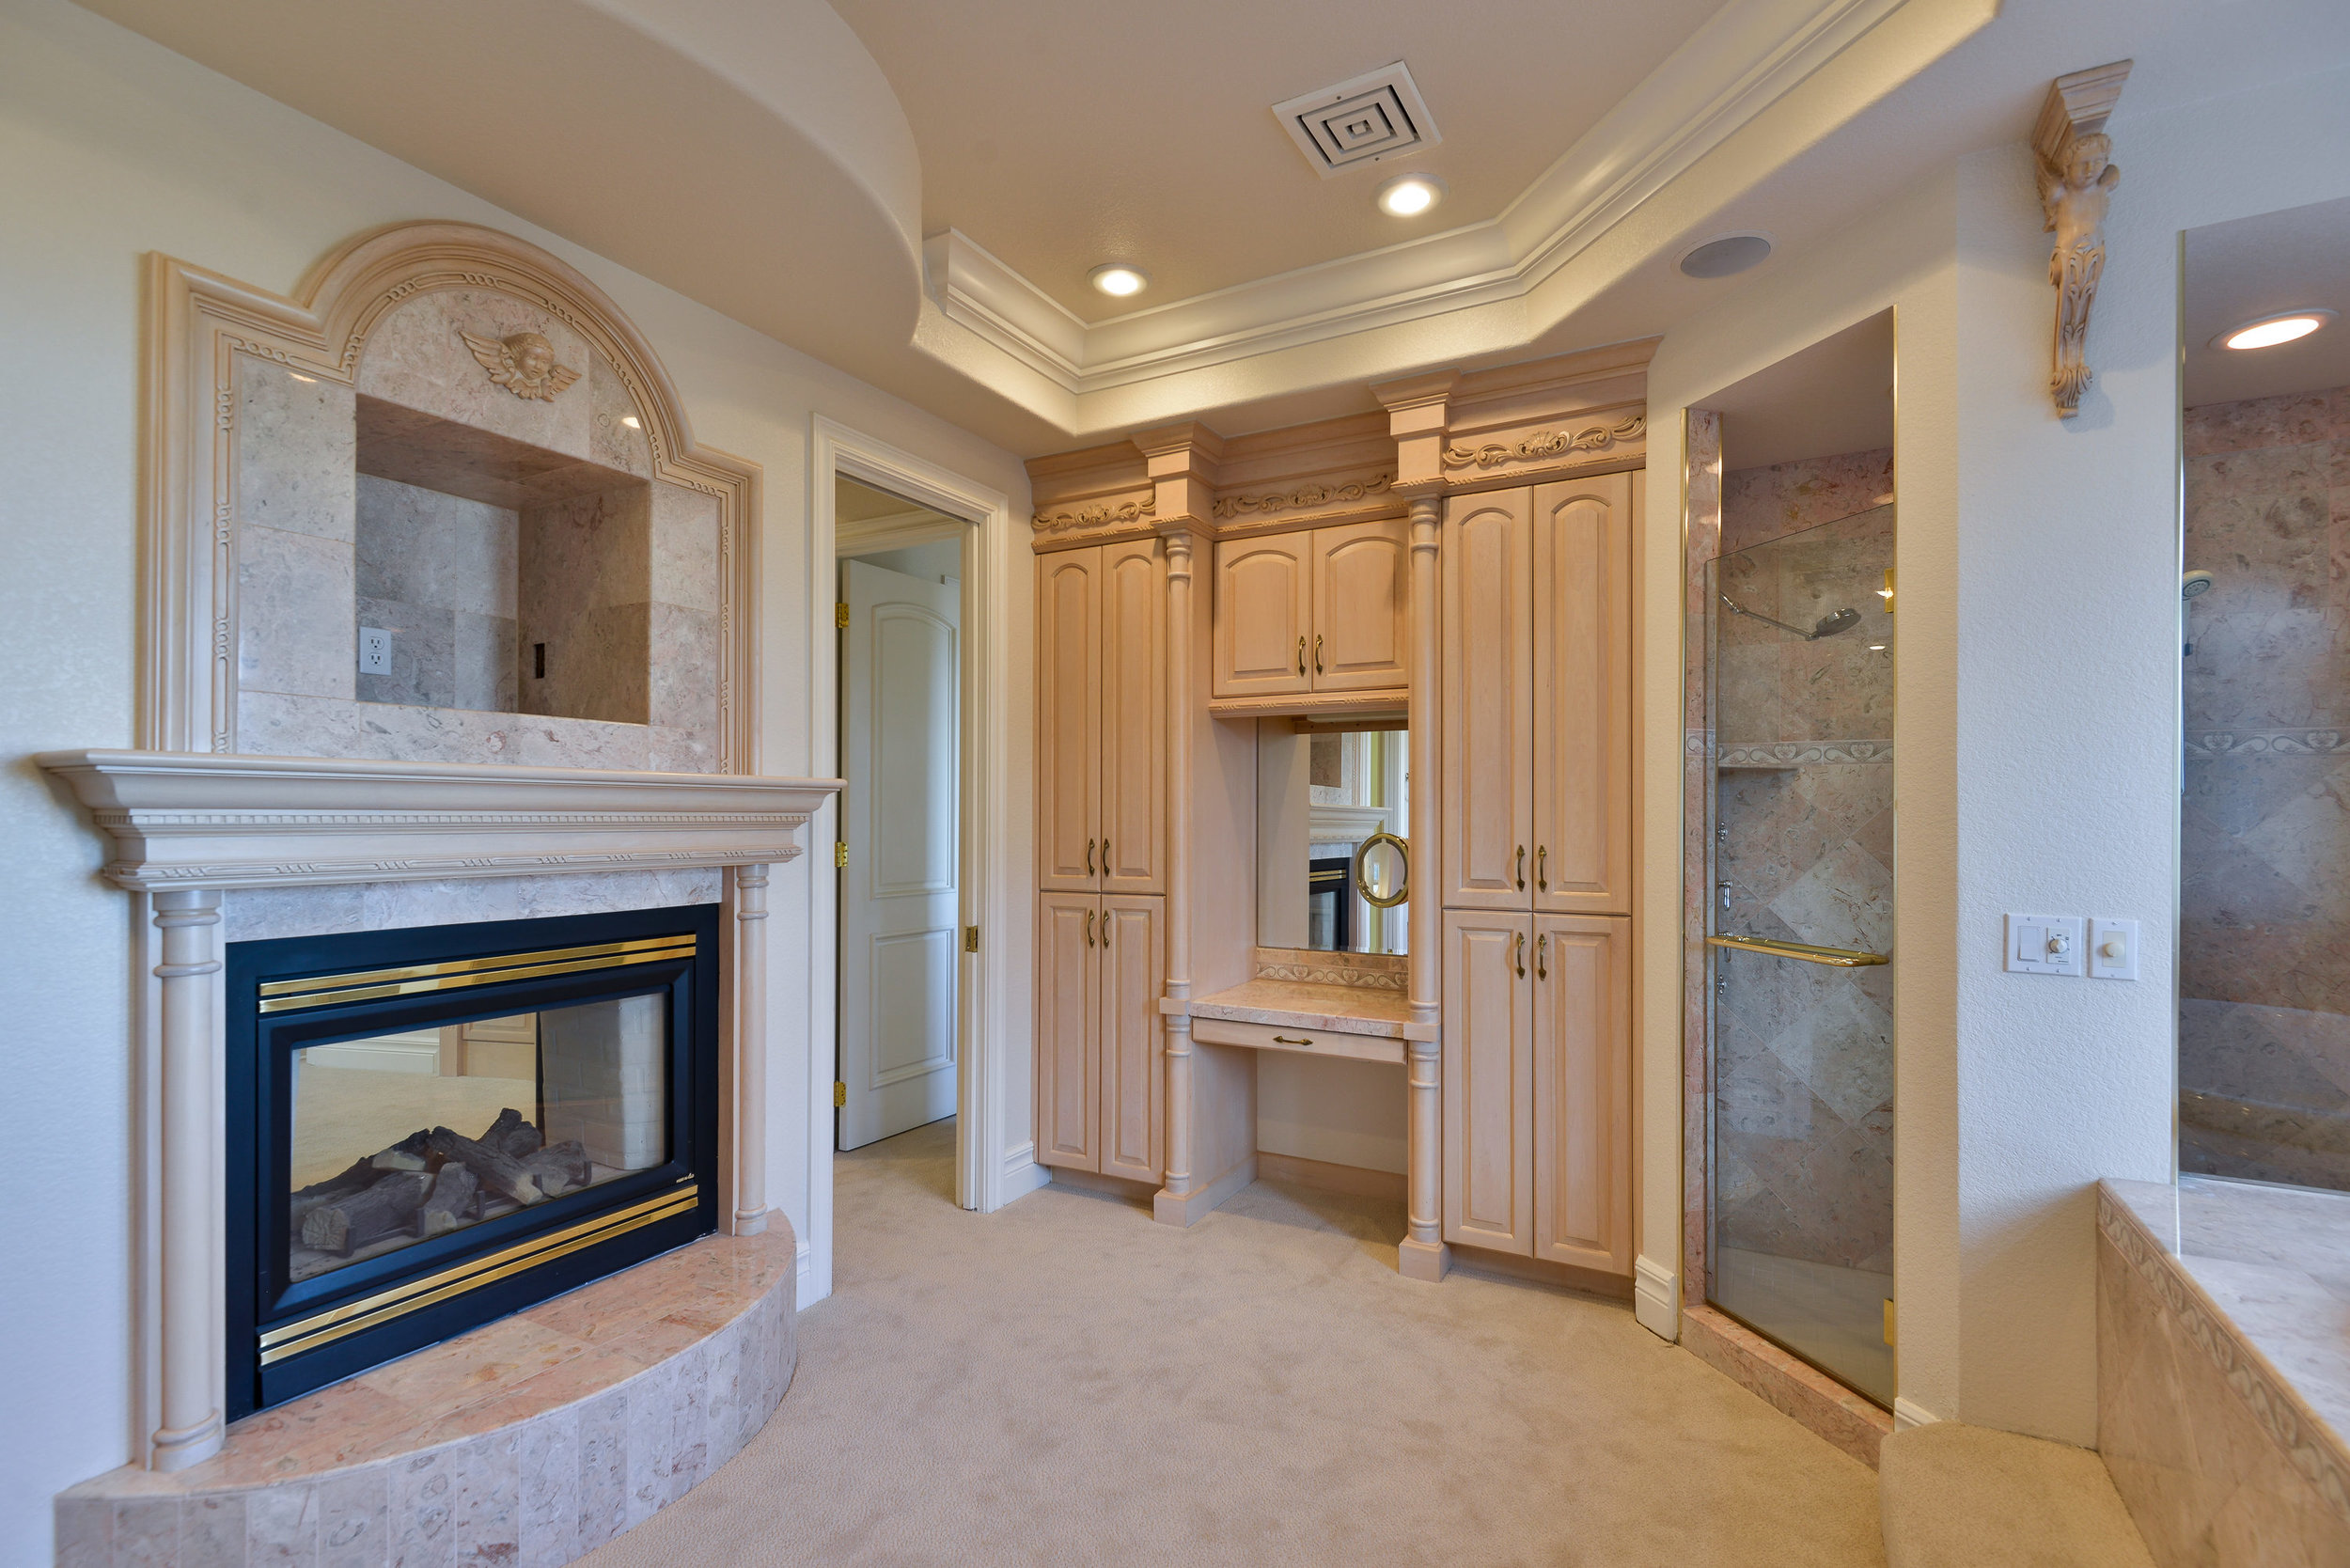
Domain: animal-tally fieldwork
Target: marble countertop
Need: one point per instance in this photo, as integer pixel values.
(2276, 1262)
(1294, 1004)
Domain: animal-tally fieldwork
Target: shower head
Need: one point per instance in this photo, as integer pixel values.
(1842, 620)
(2195, 582)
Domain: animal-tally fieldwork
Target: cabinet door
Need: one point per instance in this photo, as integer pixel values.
(1263, 614)
(1583, 1091)
(1488, 650)
(1583, 697)
(1488, 1081)
(1134, 973)
(1069, 719)
(1362, 608)
(1133, 718)
(1068, 1031)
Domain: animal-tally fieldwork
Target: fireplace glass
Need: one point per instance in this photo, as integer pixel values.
(399, 1137)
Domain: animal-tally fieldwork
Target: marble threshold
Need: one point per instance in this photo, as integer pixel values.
(528, 1441)
(1301, 1005)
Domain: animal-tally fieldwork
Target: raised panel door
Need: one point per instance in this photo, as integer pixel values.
(1134, 971)
(1362, 608)
(1487, 649)
(1263, 614)
(1488, 1087)
(1068, 1031)
(1583, 1075)
(1069, 719)
(1133, 718)
(1583, 697)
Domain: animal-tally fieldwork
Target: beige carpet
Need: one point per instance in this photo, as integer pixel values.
(1067, 1382)
(1966, 1496)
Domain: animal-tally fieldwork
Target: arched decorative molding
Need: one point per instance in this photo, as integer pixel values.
(198, 321)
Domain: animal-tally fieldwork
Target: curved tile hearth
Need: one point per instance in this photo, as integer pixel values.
(527, 1442)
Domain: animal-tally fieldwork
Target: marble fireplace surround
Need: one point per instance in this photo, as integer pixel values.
(185, 826)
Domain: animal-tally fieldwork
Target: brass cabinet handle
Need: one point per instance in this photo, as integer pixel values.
(1521, 955)
(1520, 868)
(1088, 857)
(1285, 1040)
(1088, 928)
(1105, 930)
(1318, 653)
(1105, 862)
(1541, 956)
(1541, 860)
(1301, 654)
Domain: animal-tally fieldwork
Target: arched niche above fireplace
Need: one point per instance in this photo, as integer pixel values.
(441, 505)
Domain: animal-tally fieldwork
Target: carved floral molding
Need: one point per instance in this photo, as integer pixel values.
(1309, 495)
(1546, 443)
(2076, 179)
(1107, 514)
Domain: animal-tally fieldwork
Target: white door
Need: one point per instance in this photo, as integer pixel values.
(900, 731)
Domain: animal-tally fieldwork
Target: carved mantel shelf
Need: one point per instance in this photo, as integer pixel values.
(203, 820)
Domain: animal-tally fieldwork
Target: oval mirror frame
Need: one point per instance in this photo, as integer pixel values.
(1362, 883)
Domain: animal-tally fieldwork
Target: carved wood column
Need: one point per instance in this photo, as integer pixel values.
(1422, 1255)
(193, 1369)
(1180, 1175)
(747, 1047)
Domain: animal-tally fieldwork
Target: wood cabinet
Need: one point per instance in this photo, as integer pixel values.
(1100, 965)
(1538, 1087)
(1487, 734)
(1102, 719)
(1316, 610)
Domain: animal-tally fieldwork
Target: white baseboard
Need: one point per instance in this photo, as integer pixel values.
(1022, 1174)
(1657, 1298)
(1906, 1415)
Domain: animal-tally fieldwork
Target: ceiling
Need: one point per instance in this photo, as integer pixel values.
(1836, 396)
(853, 502)
(2240, 272)
(1141, 130)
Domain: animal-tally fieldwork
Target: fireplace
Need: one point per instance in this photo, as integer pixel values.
(428, 1129)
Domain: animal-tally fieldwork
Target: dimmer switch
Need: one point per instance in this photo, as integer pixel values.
(2113, 950)
(2043, 944)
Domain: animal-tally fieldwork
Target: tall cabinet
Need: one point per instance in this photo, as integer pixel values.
(1101, 939)
(1536, 656)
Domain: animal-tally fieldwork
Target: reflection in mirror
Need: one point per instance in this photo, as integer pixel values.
(2264, 843)
(1321, 795)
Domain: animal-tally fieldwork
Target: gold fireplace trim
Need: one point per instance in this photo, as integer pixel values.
(325, 1327)
(366, 984)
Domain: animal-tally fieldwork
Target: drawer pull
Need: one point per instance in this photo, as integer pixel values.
(1285, 1040)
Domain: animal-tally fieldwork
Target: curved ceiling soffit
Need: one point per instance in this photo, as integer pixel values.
(699, 143)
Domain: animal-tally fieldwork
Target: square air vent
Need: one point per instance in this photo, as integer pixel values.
(1375, 116)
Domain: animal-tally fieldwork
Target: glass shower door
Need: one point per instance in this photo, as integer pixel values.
(1801, 923)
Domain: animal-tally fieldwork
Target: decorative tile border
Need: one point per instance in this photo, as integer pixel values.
(1781, 754)
(2211, 744)
(1307, 967)
(2306, 1441)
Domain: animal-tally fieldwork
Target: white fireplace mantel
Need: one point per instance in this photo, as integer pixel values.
(185, 826)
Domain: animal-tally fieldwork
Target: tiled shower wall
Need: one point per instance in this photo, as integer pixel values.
(1803, 810)
(2264, 832)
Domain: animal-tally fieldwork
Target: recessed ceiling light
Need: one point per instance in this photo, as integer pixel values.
(1119, 280)
(1407, 195)
(2270, 331)
(1726, 255)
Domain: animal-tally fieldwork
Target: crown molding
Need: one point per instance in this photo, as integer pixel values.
(1748, 57)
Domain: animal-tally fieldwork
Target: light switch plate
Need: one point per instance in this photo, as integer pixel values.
(2045, 944)
(2112, 950)
(375, 650)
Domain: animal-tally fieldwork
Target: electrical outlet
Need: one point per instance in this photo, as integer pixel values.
(2112, 950)
(375, 650)
(2043, 944)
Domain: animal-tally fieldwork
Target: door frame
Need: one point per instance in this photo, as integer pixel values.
(987, 1175)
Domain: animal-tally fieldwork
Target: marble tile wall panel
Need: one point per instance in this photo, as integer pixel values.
(416, 356)
(271, 723)
(2264, 826)
(1701, 528)
(1760, 504)
(682, 667)
(296, 435)
(256, 914)
(612, 441)
(684, 555)
(294, 632)
(585, 591)
(423, 654)
(422, 547)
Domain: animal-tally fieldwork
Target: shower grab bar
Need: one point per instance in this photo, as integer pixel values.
(1841, 957)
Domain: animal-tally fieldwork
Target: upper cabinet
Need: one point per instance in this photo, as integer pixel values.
(1102, 718)
(1317, 610)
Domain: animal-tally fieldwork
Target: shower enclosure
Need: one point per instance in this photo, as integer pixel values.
(1798, 664)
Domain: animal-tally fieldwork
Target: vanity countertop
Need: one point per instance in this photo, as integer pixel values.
(1295, 1004)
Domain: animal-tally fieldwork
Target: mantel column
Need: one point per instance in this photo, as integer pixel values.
(748, 1048)
(1168, 1207)
(1422, 1254)
(193, 1369)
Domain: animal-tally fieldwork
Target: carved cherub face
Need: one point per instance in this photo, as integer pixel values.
(523, 363)
(534, 356)
(2086, 162)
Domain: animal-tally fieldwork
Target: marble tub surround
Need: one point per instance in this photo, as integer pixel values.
(2265, 1016)
(529, 1441)
(1302, 1005)
(2223, 1380)
(1314, 967)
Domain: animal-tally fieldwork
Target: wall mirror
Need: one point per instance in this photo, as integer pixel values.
(1333, 863)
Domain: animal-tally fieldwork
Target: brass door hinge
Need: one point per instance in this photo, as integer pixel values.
(841, 854)
(841, 613)
(970, 939)
(840, 1094)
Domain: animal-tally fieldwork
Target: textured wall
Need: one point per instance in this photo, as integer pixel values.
(2264, 844)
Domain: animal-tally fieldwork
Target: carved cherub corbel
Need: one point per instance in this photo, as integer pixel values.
(2074, 161)
(523, 363)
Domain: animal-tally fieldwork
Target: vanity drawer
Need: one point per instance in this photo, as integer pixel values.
(1283, 1037)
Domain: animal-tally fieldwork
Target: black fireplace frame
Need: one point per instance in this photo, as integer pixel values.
(286, 1339)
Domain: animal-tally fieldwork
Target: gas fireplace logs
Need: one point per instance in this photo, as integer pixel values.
(435, 1180)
